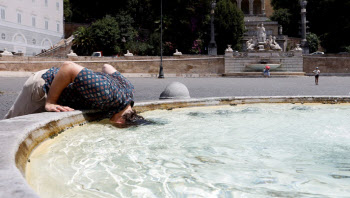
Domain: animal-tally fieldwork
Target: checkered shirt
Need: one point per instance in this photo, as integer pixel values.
(94, 90)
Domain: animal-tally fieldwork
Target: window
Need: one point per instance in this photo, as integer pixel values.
(46, 24)
(3, 36)
(58, 27)
(3, 13)
(34, 41)
(33, 21)
(57, 6)
(19, 18)
(46, 3)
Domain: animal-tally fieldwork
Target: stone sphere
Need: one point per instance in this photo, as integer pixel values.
(175, 90)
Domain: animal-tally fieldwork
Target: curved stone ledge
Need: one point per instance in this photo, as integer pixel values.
(20, 135)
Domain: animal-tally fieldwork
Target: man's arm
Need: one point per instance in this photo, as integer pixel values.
(63, 78)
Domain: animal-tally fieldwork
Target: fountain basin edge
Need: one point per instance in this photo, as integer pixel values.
(260, 67)
(20, 135)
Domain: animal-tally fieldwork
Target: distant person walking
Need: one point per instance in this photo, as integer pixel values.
(317, 74)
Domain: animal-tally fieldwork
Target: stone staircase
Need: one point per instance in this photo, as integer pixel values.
(60, 49)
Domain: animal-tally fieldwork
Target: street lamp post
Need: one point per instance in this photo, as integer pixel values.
(161, 73)
(212, 49)
(304, 44)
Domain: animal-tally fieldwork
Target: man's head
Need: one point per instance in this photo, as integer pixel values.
(127, 117)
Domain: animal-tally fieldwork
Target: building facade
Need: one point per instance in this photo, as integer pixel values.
(255, 7)
(30, 26)
(256, 12)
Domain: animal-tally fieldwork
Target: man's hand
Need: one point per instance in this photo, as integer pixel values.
(57, 108)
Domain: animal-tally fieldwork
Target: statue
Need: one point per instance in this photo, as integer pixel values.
(71, 53)
(250, 44)
(269, 41)
(298, 48)
(177, 53)
(274, 45)
(229, 49)
(280, 30)
(6, 53)
(128, 53)
(261, 33)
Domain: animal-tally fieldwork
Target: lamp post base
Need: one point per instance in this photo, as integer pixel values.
(161, 73)
(212, 49)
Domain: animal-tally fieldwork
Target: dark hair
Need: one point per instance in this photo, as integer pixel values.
(131, 118)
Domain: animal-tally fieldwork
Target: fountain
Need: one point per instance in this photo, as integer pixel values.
(22, 134)
(262, 65)
(260, 43)
(263, 50)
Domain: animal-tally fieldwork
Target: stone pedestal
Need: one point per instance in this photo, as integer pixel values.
(212, 49)
(229, 53)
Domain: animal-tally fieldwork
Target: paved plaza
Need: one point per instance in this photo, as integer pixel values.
(147, 89)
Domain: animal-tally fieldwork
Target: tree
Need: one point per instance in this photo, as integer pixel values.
(83, 43)
(102, 35)
(329, 19)
(105, 33)
(313, 42)
(283, 17)
(67, 10)
(229, 25)
(333, 25)
(291, 7)
(184, 22)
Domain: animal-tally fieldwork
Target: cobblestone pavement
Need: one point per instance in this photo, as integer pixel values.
(150, 88)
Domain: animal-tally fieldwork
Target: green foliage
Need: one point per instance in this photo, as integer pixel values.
(229, 25)
(184, 22)
(330, 19)
(83, 44)
(126, 23)
(138, 48)
(67, 10)
(347, 49)
(102, 36)
(283, 17)
(313, 41)
(186, 25)
(292, 7)
(105, 33)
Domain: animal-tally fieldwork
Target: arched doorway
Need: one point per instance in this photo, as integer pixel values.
(257, 7)
(46, 43)
(245, 6)
(19, 41)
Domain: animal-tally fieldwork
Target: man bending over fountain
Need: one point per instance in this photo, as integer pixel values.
(75, 87)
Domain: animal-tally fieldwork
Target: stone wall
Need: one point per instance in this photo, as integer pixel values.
(191, 66)
(329, 64)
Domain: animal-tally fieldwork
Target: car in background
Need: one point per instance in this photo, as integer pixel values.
(317, 53)
(97, 54)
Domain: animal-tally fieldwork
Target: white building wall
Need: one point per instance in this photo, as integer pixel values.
(20, 35)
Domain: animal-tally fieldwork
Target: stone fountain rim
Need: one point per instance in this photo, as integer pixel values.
(20, 135)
